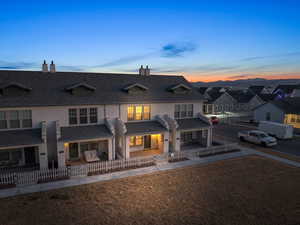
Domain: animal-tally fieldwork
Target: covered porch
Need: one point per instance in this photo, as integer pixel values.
(145, 139)
(194, 133)
(23, 149)
(84, 144)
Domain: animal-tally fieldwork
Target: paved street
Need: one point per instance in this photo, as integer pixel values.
(229, 133)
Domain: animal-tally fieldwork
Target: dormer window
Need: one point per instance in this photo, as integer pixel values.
(135, 88)
(180, 89)
(81, 89)
(14, 89)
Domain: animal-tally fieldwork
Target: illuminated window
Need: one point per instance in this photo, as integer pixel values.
(146, 114)
(136, 141)
(138, 112)
(131, 141)
(130, 112)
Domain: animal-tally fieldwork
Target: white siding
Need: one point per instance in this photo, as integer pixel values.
(277, 115)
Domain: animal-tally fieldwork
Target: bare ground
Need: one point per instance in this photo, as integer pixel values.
(249, 190)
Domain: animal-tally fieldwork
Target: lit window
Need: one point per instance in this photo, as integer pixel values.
(138, 112)
(135, 141)
(138, 140)
(146, 114)
(130, 112)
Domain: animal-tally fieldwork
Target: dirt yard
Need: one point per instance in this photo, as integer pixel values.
(250, 190)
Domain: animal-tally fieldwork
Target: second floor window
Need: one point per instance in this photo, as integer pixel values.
(138, 112)
(183, 111)
(83, 116)
(15, 119)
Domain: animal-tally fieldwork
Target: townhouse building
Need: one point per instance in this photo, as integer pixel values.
(63, 118)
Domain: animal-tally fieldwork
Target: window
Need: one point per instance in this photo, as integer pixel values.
(3, 120)
(146, 114)
(135, 141)
(16, 155)
(25, 117)
(14, 119)
(183, 111)
(73, 151)
(298, 119)
(93, 115)
(138, 112)
(268, 116)
(88, 146)
(293, 119)
(72, 116)
(4, 156)
(83, 116)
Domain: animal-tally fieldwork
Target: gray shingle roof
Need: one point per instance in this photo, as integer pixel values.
(144, 127)
(289, 105)
(84, 132)
(240, 96)
(191, 124)
(48, 89)
(11, 138)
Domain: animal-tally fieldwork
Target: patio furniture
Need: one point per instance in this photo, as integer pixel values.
(91, 156)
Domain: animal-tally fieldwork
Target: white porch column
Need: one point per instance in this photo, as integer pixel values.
(110, 149)
(127, 147)
(43, 156)
(166, 137)
(61, 154)
(176, 141)
(209, 137)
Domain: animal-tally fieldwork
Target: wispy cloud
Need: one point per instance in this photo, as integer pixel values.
(297, 53)
(17, 65)
(177, 49)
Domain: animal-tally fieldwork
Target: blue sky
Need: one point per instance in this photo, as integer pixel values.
(203, 40)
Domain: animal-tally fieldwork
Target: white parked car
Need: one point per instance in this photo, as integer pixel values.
(257, 137)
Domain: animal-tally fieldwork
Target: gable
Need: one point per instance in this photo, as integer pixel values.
(14, 90)
(180, 89)
(225, 98)
(81, 89)
(135, 88)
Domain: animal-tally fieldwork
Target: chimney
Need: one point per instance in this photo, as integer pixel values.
(147, 71)
(45, 67)
(52, 67)
(142, 71)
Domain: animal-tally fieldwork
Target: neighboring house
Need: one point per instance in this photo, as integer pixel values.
(256, 90)
(59, 117)
(284, 91)
(296, 92)
(219, 102)
(246, 101)
(282, 111)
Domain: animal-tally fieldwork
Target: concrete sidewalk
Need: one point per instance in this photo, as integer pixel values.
(116, 175)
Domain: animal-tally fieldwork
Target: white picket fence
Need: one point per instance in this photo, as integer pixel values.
(48, 175)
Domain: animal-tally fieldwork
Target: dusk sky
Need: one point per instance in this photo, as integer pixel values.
(203, 40)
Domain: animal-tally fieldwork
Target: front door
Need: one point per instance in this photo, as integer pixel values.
(29, 155)
(147, 142)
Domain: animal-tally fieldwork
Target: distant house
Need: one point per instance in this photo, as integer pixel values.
(258, 90)
(218, 102)
(281, 110)
(283, 91)
(245, 100)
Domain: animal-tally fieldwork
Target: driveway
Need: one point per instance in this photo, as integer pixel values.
(229, 133)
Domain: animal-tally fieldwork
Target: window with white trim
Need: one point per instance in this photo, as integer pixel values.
(83, 116)
(138, 112)
(183, 111)
(12, 119)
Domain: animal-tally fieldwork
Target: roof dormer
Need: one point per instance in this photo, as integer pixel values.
(14, 89)
(81, 89)
(180, 89)
(135, 88)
